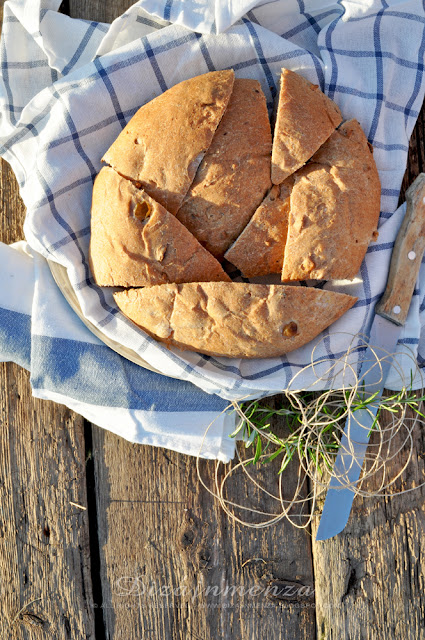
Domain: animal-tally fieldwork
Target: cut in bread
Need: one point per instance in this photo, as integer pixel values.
(233, 319)
(305, 118)
(334, 209)
(165, 141)
(136, 242)
(259, 249)
(234, 175)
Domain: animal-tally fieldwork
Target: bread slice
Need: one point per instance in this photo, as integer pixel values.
(334, 209)
(305, 118)
(164, 142)
(259, 249)
(234, 175)
(135, 242)
(233, 319)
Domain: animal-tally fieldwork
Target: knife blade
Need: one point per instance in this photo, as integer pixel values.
(390, 315)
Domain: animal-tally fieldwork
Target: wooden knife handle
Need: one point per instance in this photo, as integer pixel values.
(406, 257)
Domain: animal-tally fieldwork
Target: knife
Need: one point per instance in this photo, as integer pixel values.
(390, 315)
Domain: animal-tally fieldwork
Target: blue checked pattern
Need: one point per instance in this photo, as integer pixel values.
(70, 365)
(58, 116)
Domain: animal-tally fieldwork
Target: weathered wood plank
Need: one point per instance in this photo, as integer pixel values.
(174, 566)
(12, 209)
(44, 541)
(99, 10)
(416, 158)
(370, 579)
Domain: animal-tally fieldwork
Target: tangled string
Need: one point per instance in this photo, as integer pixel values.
(321, 418)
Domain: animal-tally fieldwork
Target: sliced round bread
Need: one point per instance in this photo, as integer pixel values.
(136, 242)
(233, 319)
(165, 141)
(305, 118)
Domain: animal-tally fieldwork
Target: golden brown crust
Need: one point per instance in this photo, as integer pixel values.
(234, 175)
(164, 142)
(305, 118)
(136, 242)
(234, 320)
(334, 209)
(260, 247)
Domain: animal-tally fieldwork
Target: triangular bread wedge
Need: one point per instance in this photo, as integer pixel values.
(135, 242)
(334, 209)
(164, 142)
(259, 249)
(231, 319)
(305, 118)
(234, 175)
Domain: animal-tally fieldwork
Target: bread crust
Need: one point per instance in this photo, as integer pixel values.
(260, 247)
(305, 118)
(136, 242)
(234, 175)
(334, 209)
(236, 320)
(163, 144)
(198, 161)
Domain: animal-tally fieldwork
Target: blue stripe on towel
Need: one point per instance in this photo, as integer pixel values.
(15, 337)
(97, 375)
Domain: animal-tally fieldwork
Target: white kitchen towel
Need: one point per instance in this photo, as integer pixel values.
(69, 365)
(68, 87)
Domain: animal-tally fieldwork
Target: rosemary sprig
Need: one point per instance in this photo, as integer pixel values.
(326, 413)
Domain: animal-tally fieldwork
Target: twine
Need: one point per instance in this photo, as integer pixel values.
(322, 417)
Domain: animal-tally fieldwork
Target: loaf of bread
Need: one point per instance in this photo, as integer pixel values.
(334, 209)
(234, 175)
(233, 319)
(135, 242)
(194, 178)
(259, 249)
(165, 141)
(305, 118)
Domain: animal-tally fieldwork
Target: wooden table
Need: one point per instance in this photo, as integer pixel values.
(100, 538)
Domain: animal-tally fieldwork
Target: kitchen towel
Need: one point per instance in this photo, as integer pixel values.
(68, 87)
(69, 365)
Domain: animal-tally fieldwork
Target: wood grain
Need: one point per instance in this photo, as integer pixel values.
(44, 542)
(174, 566)
(12, 209)
(416, 157)
(406, 257)
(99, 10)
(370, 579)
(44, 539)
